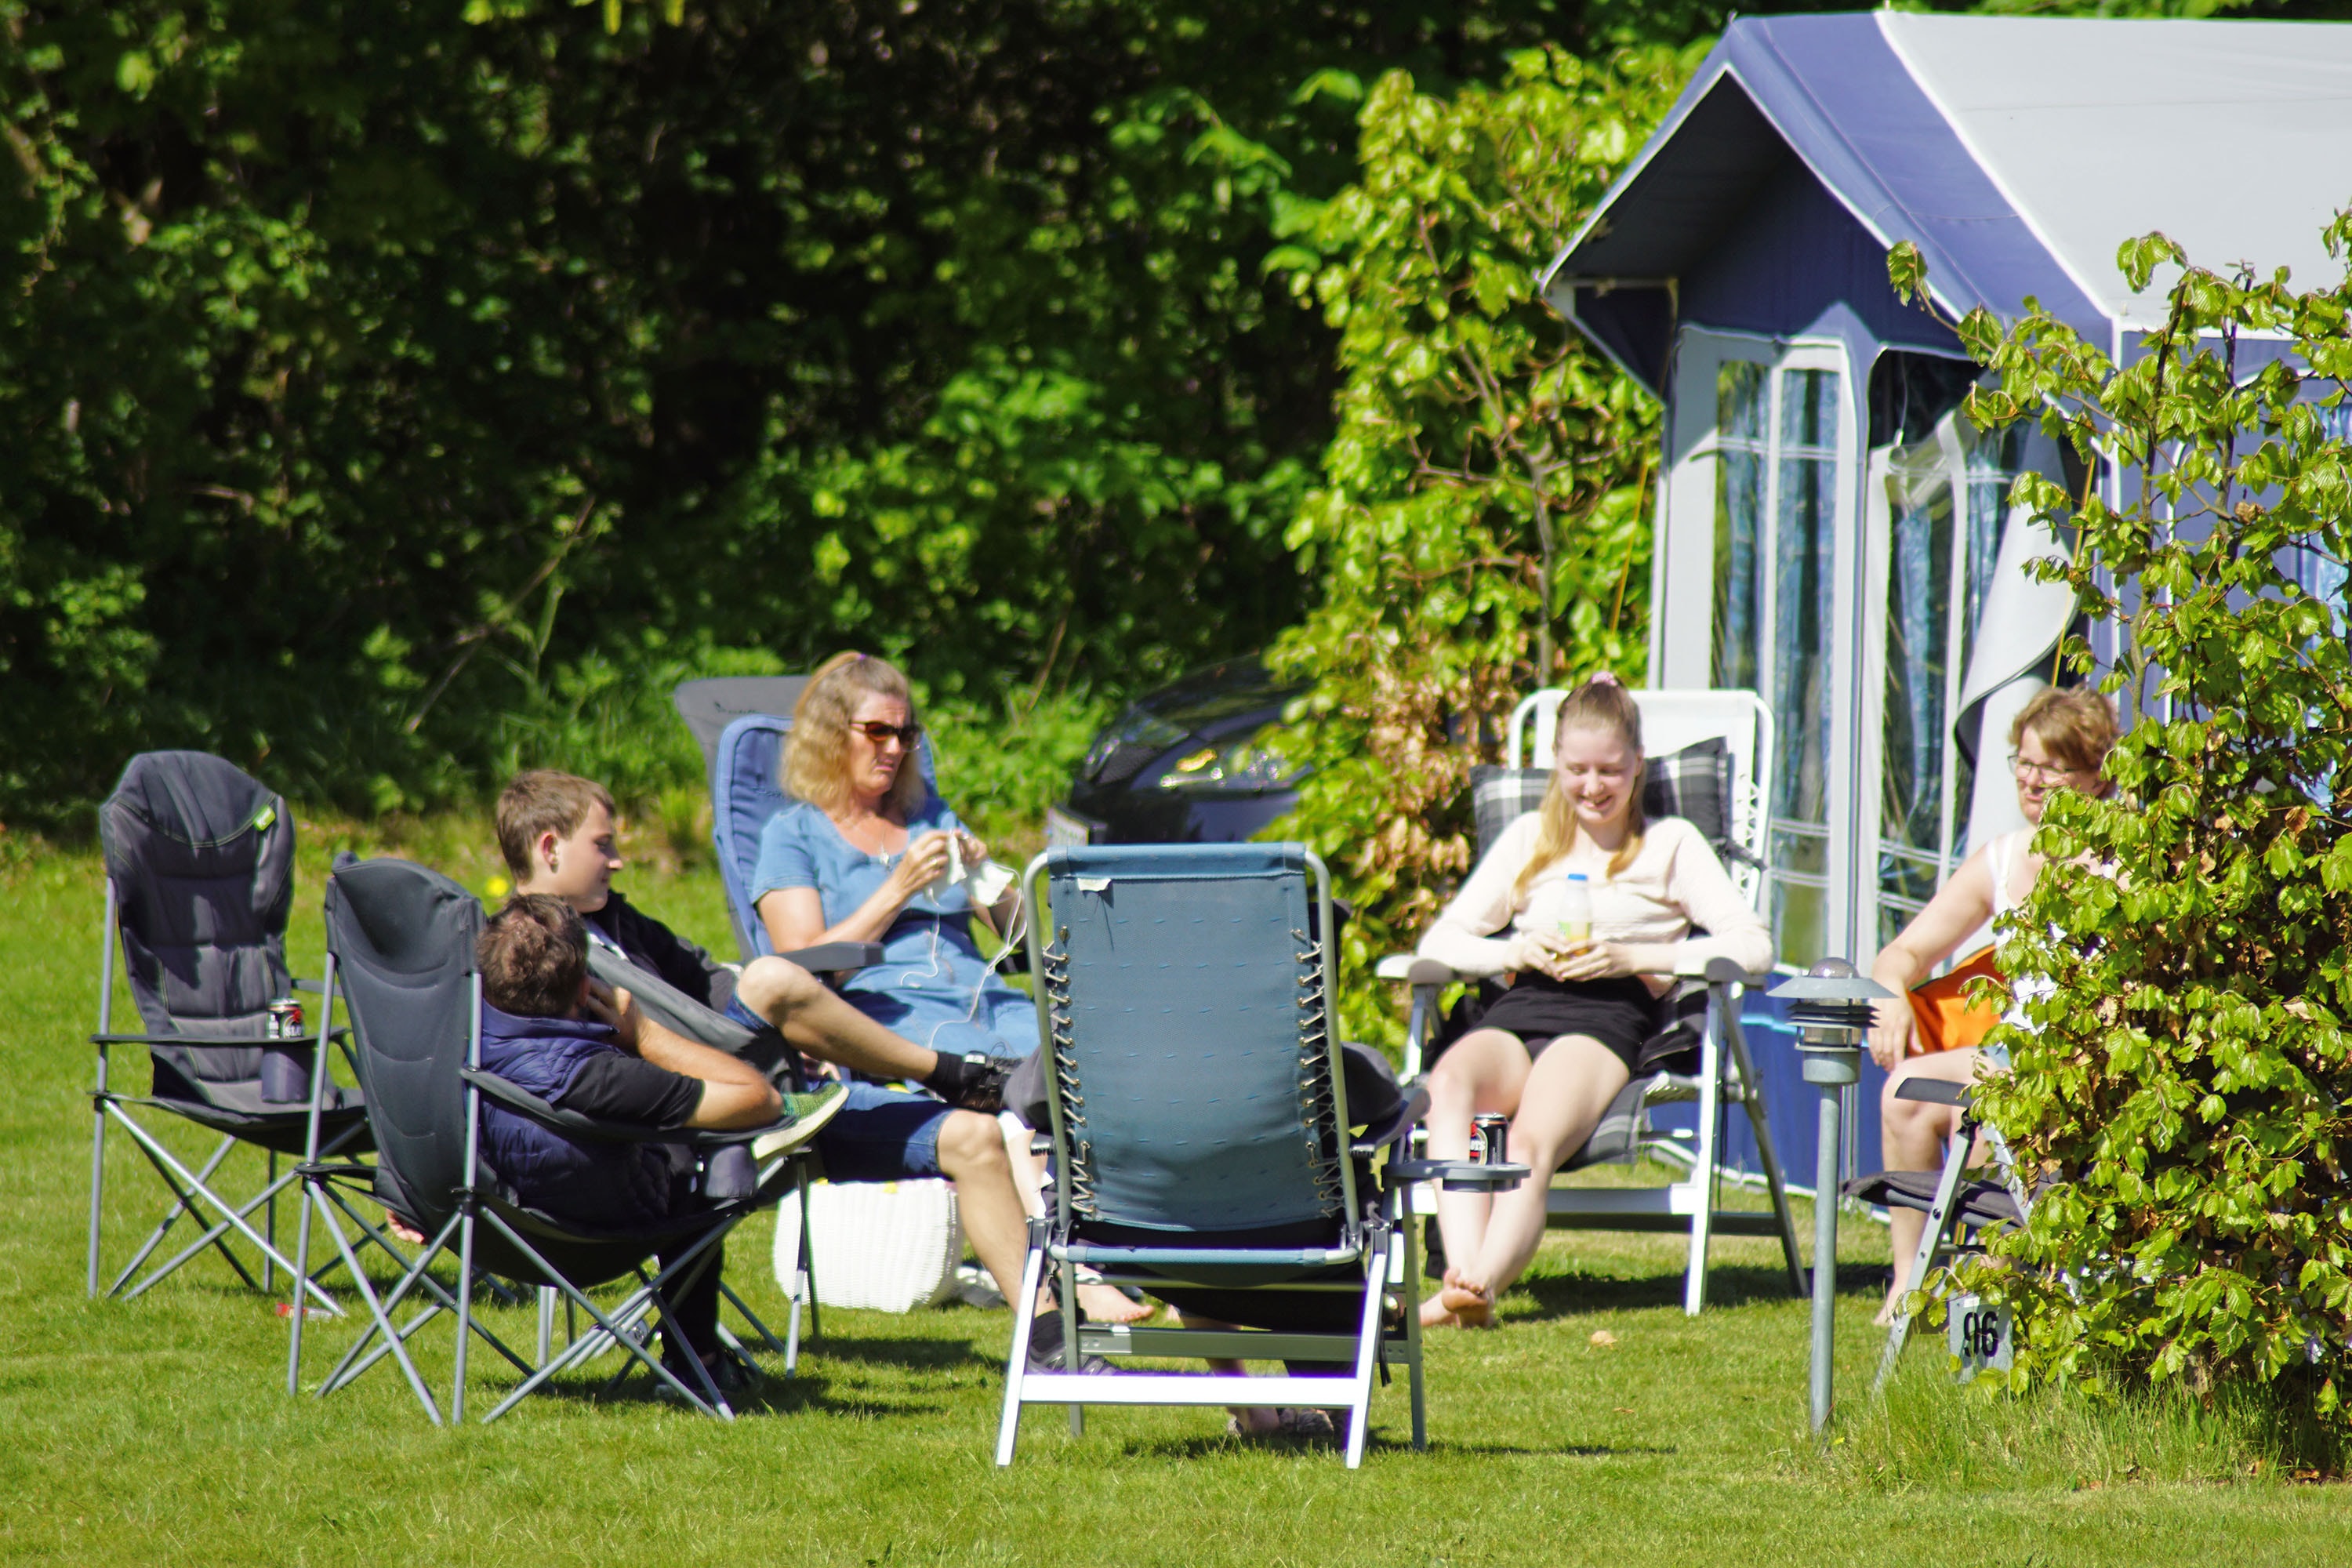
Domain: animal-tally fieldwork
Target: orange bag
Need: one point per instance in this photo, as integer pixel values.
(1945, 1019)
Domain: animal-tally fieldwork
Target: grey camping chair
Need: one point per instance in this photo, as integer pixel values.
(400, 952)
(1199, 1109)
(1707, 750)
(199, 882)
(1958, 1210)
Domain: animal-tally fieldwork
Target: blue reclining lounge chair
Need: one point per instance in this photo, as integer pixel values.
(1202, 1132)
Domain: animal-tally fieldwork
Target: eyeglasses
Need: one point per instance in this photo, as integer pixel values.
(878, 732)
(2038, 773)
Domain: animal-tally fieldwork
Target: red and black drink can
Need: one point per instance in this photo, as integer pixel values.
(286, 1019)
(1491, 1144)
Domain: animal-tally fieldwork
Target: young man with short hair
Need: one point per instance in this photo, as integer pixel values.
(558, 835)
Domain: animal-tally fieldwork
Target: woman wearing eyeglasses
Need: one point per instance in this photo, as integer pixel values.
(2060, 740)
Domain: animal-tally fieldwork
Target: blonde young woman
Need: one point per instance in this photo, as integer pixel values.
(2060, 740)
(1554, 1049)
(855, 861)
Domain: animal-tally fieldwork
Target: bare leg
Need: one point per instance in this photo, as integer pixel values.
(973, 1156)
(819, 1022)
(1912, 1136)
(1254, 1418)
(1097, 1301)
(1567, 1091)
(1483, 1071)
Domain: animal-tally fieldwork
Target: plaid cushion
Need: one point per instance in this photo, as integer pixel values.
(1694, 783)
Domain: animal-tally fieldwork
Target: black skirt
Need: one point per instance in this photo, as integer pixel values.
(1620, 1012)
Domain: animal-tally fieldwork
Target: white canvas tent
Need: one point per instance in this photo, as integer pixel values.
(1829, 531)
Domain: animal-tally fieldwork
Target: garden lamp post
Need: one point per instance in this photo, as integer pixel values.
(1831, 1005)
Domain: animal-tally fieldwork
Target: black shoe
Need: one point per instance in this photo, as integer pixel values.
(1045, 1343)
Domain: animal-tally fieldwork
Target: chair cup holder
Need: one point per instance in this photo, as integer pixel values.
(1460, 1175)
(285, 1073)
(730, 1174)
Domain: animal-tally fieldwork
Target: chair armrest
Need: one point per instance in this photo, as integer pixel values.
(1414, 971)
(1386, 1132)
(210, 1042)
(1936, 1092)
(1459, 1175)
(834, 957)
(522, 1103)
(1723, 971)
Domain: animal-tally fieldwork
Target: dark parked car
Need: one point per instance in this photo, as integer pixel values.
(1184, 764)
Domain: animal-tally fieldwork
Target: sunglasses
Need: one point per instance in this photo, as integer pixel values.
(878, 732)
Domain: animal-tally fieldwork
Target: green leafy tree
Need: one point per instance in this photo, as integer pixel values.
(1482, 527)
(387, 391)
(2187, 1078)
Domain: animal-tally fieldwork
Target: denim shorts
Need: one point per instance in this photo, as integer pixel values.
(883, 1135)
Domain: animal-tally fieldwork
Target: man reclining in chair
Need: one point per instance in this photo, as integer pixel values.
(547, 1027)
(557, 833)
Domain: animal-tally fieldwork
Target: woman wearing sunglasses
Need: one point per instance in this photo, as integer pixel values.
(856, 860)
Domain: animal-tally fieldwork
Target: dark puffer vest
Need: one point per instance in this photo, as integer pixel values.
(610, 1186)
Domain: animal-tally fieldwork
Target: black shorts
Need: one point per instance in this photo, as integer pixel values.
(1621, 1014)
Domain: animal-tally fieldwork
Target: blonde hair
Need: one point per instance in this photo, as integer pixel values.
(2074, 724)
(1601, 703)
(816, 755)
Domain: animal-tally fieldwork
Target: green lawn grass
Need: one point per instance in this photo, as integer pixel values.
(158, 1430)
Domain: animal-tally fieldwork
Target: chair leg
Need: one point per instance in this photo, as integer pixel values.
(1704, 1176)
(465, 1313)
(96, 1186)
(1409, 1238)
(1941, 1219)
(269, 1225)
(1368, 1351)
(1776, 1183)
(1070, 1274)
(182, 1203)
(1024, 1314)
(546, 1321)
(808, 1254)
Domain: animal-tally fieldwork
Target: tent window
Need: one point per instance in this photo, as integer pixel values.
(1775, 530)
(1940, 561)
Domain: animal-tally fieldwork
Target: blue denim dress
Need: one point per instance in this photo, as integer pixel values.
(932, 986)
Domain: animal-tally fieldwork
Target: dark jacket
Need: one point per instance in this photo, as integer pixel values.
(607, 1186)
(655, 948)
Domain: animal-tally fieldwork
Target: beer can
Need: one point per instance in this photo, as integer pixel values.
(1492, 1146)
(286, 1019)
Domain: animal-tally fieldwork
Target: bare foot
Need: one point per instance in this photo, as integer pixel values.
(1103, 1304)
(1436, 1314)
(1470, 1303)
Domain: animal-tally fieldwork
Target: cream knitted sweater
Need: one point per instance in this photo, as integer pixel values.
(1673, 883)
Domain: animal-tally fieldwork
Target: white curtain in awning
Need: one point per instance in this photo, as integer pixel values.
(2014, 650)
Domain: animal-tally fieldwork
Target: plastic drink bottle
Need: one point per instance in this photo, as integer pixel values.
(1576, 909)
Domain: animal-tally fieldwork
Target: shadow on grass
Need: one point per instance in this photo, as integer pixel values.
(918, 1355)
(1727, 1285)
(1225, 1443)
(776, 1395)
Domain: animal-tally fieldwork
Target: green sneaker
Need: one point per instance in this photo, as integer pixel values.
(804, 1117)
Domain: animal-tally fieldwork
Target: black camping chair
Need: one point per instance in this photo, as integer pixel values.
(400, 952)
(199, 882)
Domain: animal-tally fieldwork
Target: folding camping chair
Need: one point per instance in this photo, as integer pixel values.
(745, 791)
(1201, 1126)
(1708, 752)
(1951, 1202)
(199, 882)
(400, 952)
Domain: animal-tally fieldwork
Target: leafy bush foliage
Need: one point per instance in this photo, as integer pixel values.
(2188, 1081)
(1482, 525)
